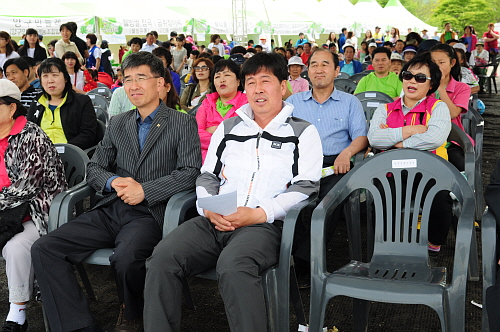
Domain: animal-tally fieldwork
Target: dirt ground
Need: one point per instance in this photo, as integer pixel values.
(210, 315)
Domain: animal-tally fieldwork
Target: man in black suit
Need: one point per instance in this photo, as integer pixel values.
(157, 153)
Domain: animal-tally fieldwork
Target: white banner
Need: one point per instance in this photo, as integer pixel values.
(16, 26)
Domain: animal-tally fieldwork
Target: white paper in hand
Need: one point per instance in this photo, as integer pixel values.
(225, 204)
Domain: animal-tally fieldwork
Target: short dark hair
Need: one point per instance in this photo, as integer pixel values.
(452, 40)
(173, 33)
(250, 41)
(308, 43)
(19, 62)
(196, 53)
(209, 63)
(31, 31)
(20, 109)
(238, 49)
(216, 58)
(154, 33)
(136, 40)
(73, 27)
(271, 62)
(335, 56)
(399, 41)
(166, 44)
(67, 26)
(137, 59)
(381, 50)
(51, 65)
(231, 66)
(388, 43)
(258, 46)
(72, 55)
(29, 60)
(344, 29)
(149, 34)
(92, 37)
(424, 59)
(163, 52)
(348, 45)
(104, 44)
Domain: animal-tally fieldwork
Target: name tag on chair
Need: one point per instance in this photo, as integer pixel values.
(404, 163)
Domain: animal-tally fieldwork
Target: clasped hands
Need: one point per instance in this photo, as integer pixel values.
(244, 216)
(129, 190)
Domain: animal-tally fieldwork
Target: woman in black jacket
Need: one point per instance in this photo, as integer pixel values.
(31, 46)
(64, 115)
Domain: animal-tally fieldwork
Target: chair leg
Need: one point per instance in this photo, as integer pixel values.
(360, 310)
(45, 319)
(295, 298)
(473, 259)
(187, 295)
(317, 307)
(86, 282)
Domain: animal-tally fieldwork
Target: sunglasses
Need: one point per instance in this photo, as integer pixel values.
(419, 78)
(203, 68)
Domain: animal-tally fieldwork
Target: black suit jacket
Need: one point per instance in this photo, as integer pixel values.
(40, 52)
(170, 160)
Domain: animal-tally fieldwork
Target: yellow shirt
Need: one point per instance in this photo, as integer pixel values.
(51, 121)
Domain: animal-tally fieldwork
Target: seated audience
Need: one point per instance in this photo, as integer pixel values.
(31, 46)
(307, 52)
(31, 175)
(417, 120)
(169, 95)
(479, 57)
(349, 65)
(396, 63)
(466, 74)
(76, 75)
(17, 71)
(381, 79)
(64, 115)
(409, 52)
(195, 93)
(295, 68)
(6, 48)
(166, 57)
(222, 104)
(135, 46)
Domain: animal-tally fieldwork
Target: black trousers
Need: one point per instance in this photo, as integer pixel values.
(131, 230)
(302, 238)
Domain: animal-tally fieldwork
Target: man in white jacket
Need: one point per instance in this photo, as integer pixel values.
(273, 161)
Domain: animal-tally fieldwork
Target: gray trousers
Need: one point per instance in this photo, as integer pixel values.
(131, 230)
(196, 246)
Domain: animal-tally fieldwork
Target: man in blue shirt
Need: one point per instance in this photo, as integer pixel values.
(342, 39)
(341, 123)
(349, 65)
(147, 155)
(301, 41)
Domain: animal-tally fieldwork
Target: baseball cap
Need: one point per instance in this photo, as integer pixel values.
(480, 42)
(460, 46)
(410, 48)
(237, 58)
(372, 45)
(396, 57)
(9, 89)
(295, 60)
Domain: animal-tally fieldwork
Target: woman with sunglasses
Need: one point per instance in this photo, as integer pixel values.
(195, 93)
(418, 121)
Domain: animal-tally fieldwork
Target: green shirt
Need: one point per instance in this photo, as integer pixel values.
(390, 85)
(222, 108)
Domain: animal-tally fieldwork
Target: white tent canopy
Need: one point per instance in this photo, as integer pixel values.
(402, 19)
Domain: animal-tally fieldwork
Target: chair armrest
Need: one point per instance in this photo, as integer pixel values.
(176, 209)
(56, 205)
(75, 195)
(488, 240)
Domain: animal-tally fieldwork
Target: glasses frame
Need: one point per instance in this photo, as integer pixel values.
(409, 75)
(138, 80)
(202, 68)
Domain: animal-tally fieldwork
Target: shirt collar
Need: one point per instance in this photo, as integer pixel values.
(149, 118)
(403, 104)
(335, 95)
(451, 85)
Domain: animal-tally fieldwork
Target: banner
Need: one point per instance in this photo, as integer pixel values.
(16, 26)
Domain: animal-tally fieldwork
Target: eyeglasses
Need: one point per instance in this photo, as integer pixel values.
(419, 78)
(204, 68)
(139, 80)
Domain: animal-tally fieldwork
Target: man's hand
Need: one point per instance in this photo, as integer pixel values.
(246, 216)
(129, 190)
(342, 163)
(219, 222)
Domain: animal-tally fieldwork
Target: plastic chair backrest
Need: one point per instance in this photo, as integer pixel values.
(305, 75)
(366, 64)
(401, 181)
(74, 161)
(101, 85)
(343, 75)
(345, 83)
(101, 114)
(103, 91)
(98, 100)
(357, 77)
(374, 95)
(194, 110)
(101, 129)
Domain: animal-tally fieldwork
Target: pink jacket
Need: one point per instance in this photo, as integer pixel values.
(207, 116)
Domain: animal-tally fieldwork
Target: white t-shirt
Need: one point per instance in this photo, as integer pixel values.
(97, 53)
(196, 100)
(31, 52)
(80, 81)
(219, 46)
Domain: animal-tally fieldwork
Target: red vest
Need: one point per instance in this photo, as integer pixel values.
(419, 115)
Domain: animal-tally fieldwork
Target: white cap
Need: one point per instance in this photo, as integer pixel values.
(396, 56)
(295, 60)
(372, 44)
(460, 46)
(9, 89)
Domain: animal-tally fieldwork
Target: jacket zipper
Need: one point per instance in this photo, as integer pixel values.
(254, 173)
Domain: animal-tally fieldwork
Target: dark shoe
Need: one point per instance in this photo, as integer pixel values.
(125, 325)
(9, 326)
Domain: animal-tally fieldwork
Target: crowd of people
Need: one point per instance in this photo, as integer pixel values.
(262, 120)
